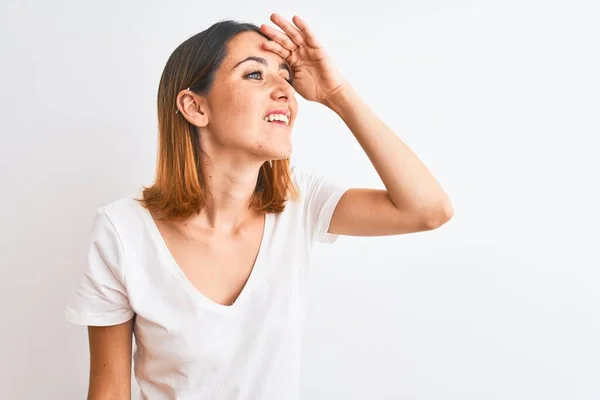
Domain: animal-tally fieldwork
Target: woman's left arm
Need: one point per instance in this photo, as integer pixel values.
(414, 201)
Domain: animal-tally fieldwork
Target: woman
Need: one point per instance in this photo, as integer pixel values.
(208, 269)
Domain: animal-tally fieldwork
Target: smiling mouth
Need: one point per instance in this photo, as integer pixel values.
(281, 119)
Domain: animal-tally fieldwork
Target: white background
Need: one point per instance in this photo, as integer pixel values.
(499, 98)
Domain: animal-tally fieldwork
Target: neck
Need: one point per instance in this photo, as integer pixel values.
(231, 187)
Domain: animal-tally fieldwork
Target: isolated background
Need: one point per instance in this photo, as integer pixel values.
(499, 98)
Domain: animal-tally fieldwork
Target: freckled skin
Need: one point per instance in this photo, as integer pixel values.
(237, 104)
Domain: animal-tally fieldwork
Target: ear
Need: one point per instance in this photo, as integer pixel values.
(193, 108)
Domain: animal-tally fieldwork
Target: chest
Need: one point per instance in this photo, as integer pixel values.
(217, 266)
(207, 302)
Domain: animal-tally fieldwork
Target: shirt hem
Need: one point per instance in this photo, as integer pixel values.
(88, 319)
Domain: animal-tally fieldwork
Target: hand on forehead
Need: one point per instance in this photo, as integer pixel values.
(248, 45)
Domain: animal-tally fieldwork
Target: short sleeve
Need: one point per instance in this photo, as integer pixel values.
(101, 298)
(320, 197)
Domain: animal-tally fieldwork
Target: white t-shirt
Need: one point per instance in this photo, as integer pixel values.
(186, 345)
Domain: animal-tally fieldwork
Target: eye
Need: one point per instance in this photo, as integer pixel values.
(252, 75)
(258, 75)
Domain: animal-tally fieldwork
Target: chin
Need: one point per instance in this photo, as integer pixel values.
(277, 154)
(275, 150)
(281, 155)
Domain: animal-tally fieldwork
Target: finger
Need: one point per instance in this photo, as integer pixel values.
(279, 37)
(277, 49)
(308, 34)
(290, 30)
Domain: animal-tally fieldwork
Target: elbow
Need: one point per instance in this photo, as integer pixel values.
(438, 215)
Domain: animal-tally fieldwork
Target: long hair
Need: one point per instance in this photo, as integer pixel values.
(179, 190)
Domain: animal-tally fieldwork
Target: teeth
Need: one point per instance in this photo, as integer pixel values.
(277, 117)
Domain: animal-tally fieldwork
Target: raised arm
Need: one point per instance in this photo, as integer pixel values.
(413, 200)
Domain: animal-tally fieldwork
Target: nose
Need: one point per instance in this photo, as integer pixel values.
(282, 90)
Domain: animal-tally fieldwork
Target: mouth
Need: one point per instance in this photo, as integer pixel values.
(280, 117)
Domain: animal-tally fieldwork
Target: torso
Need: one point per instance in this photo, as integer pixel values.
(218, 265)
(188, 346)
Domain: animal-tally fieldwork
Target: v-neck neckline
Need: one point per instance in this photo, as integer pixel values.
(189, 286)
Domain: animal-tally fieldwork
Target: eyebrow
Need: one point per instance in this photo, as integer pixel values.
(262, 61)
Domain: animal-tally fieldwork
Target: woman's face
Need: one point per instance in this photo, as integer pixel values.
(252, 103)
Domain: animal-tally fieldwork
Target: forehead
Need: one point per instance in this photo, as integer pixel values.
(248, 44)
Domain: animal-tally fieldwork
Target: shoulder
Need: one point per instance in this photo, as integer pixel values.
(124, 217)
(122, 208)
(312, 184)
(306, 181)
(318, 198)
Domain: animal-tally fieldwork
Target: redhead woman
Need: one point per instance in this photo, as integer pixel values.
(207, 268)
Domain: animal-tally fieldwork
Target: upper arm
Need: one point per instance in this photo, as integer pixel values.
(101, 303)
(333, 210)
(370, 212)
(110, 361)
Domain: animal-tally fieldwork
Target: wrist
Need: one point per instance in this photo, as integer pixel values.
(340, 98)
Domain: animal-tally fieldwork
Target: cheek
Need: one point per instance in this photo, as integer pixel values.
(264, 139)
(242, 102)
(238, 112)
